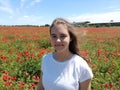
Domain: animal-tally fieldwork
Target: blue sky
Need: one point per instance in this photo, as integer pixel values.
(40, 12)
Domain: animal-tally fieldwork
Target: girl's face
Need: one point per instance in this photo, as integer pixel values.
(60, 38)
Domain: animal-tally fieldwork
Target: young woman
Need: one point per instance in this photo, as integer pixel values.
(64, 69)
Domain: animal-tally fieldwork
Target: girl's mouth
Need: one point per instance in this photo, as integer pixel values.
(59, 45)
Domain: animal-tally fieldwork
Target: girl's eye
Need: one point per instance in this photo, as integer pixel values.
(53, 36)
(63, 36)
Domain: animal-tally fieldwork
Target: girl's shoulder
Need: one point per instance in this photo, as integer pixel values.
(48, 55)
(78, 59)
(80, 62)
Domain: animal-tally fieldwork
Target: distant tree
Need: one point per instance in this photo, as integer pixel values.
(47, 25)
(111, 21)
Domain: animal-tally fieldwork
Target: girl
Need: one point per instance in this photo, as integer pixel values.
(64, 69)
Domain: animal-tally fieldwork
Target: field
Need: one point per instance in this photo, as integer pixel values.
(21, 50)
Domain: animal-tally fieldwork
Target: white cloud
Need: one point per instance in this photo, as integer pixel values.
(114, 8)
(28, 3)
(97, 17)
(33, 20)
(11, 17)
(22, 2)
(34, 2)
(6, 7)
(37, 1)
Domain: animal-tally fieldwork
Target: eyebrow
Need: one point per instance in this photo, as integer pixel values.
(53, 34)
(60, 34)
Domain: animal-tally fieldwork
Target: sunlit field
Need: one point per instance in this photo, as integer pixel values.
(21, 50)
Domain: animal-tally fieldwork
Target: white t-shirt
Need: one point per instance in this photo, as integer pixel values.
(64, 75)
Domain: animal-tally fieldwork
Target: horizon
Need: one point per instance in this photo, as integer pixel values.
(49, 24)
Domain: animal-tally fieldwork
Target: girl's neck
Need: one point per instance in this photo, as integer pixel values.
(59, 56)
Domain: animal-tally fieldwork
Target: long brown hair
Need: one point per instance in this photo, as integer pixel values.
(73, 46)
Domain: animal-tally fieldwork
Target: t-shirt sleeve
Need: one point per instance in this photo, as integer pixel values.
(85, 72)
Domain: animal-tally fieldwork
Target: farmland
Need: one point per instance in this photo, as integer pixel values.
(21, 50)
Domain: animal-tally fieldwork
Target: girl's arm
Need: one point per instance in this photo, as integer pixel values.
(86, 85)
(40, 85)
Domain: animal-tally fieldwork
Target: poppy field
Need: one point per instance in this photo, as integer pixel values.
(21, 50)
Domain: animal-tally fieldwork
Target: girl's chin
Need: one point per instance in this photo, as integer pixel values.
(59, 50)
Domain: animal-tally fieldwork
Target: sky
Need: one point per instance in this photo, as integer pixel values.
(41, 12)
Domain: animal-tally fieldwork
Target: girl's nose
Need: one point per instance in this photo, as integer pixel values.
(58, 40)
